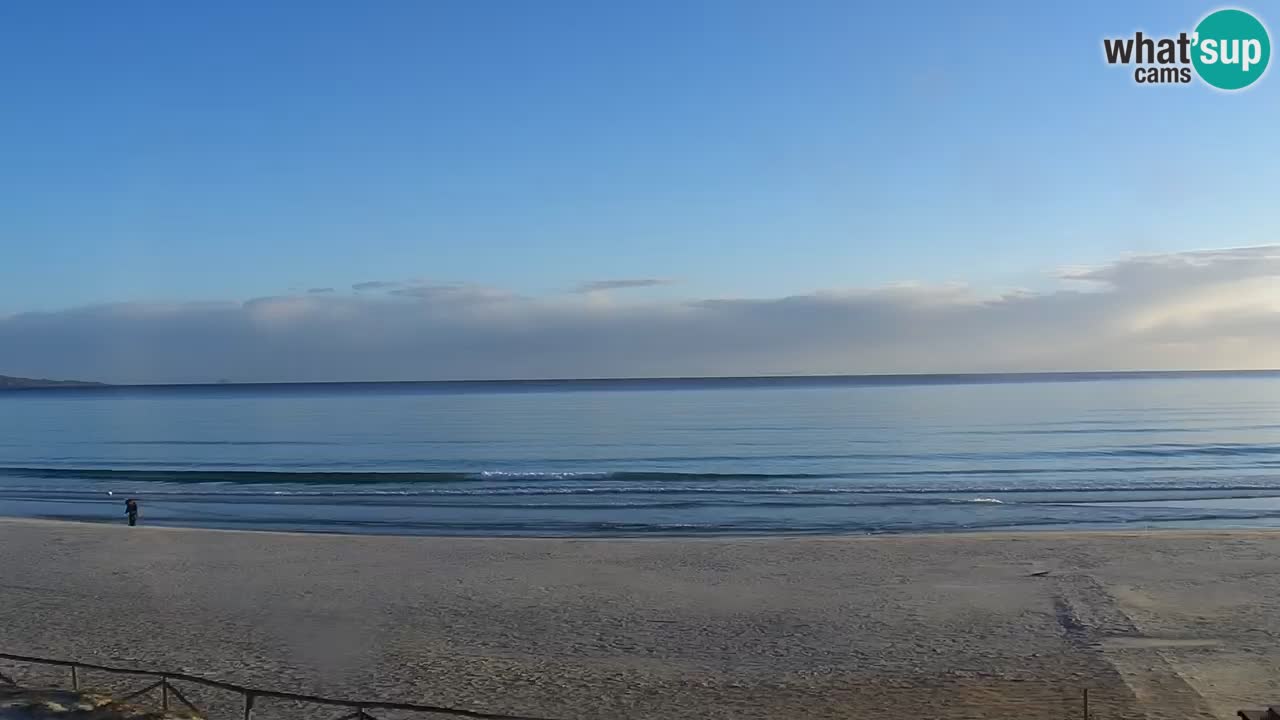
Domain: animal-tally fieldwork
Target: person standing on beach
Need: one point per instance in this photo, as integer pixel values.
(131, 509)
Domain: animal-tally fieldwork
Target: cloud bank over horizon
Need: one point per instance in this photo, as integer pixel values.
(1213, 309)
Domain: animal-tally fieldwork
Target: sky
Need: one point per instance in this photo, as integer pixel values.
(273, 191)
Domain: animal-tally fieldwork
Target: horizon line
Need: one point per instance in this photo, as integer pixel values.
(1038, 374)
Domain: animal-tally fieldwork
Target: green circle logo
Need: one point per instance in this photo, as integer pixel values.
(1232, 49)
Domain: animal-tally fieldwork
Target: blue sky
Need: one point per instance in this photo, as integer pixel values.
(732, 187)
(169, 152)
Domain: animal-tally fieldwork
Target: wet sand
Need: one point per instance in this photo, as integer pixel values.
(1160, 624)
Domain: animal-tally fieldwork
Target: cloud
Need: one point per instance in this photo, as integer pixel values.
(1166, 271)
(376, 285)
(1212, 309)
(454, 293)
(320, 291)
(621, 284)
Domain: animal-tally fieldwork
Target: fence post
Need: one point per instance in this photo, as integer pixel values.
(164, 693)
(248, 706)
(75, 678)
(1084, 705)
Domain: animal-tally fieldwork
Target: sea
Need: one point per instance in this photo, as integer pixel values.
(646, 458)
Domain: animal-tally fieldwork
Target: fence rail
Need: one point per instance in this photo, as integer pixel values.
(250, 695)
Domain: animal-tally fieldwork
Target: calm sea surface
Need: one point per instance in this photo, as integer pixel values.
(653, 458)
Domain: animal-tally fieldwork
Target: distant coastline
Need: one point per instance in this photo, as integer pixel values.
(692, 382)
(8, 382)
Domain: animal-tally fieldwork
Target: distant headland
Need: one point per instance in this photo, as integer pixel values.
(9, 382)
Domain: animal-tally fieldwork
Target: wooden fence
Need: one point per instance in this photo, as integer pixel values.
(169, 693)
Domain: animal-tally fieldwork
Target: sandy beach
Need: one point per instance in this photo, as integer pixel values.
(1168, 624)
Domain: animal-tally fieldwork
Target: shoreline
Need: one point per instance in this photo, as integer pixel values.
(984, 534)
